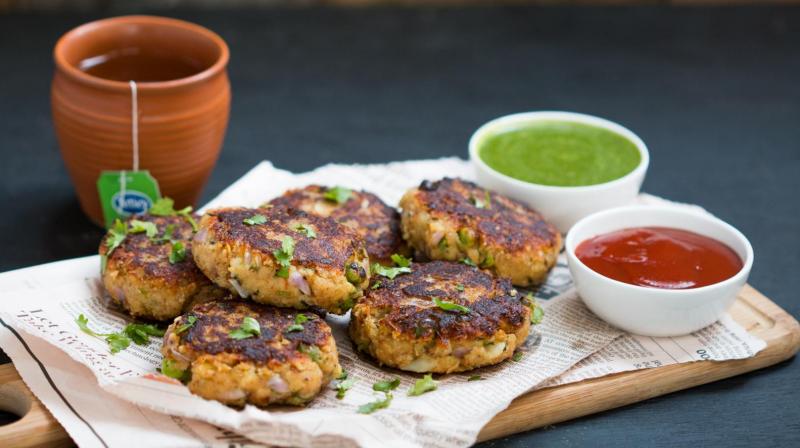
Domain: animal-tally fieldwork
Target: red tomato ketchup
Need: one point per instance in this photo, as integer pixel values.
(660, 257)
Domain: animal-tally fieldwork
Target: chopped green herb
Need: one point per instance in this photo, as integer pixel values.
(140, 333)
(390, 273)
(312, 351)
(466, 237)
(401, 260)
(373, 406)
(537, 313)
(339, 195)
(343, 385)
(468, 261)
(190, 320)
(255, 220)
(169, 369)
(459, 287)
(517, 356)
(117, 342)
(305, 230)
(450, 306)
(474, 378)
(488, 261)
(376, 285)
(443, 245)
(166, 236)
(386, 385)
(423, 385)
(165, 207)
(149, 228)
(284, 256)
(247, 329)
(353, 273)
(178, 252)
(343, 375)
(116, 235)
(299, 320)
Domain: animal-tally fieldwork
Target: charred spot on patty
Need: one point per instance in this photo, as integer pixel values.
(333, 245)
(364, 212)
(498, 220)
(407, 305)
(210, 333)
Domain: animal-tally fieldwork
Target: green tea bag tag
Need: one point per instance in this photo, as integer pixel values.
(126, 193)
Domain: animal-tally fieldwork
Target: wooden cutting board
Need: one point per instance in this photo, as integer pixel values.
(756, 313)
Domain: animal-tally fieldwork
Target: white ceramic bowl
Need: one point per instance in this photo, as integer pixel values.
(563, 206)
(653, 311)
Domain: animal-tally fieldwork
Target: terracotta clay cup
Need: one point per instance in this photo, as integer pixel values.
(182, 121)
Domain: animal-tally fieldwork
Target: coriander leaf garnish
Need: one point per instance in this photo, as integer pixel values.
(178, 252)
(517, 356)
(190, 320)
(468, 261)
(284, 256)
(165, 207)
(116, 341)
(371, 407)
(299, 320)
(83, 324)
(166, 236)
(459, 287)
(312, 351)
(537, 313)
(474, 378)
(343, 385)
(376, 285)
(343, 375)
(339, 195)
(247, 329)
(116, 235)
(168, 368)
(140, 333)
(255, 220)
(390, 273)
(149, 228)
(423, 385)
(401, 260)
(386, 385)
(305, 230)
(450, 306)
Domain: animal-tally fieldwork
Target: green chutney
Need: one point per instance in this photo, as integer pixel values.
(560, 153)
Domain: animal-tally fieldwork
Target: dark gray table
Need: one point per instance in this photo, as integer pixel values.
(714, 93)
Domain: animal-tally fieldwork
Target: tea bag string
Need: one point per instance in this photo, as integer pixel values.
(134, 137)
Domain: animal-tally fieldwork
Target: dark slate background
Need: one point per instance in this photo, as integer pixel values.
(713, 92)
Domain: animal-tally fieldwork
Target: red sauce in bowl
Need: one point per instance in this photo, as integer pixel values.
(660, 257)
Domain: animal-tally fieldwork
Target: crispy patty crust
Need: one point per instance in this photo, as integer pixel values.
(453, 219)
(140, 277)
(364, 212)
(283, 257)
(400, 323)
(283, 364)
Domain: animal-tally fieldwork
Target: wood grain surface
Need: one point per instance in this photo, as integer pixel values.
(756, 313)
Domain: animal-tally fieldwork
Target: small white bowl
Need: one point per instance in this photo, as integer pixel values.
(654, 311)
(563, 206)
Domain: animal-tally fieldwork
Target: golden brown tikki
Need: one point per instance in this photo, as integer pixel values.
(240, 352)
(377, 223)
(440, 317)
(456, 220)
(283, 257)
(148, 269)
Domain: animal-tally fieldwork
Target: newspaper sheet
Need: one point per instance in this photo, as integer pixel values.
(126, 400)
